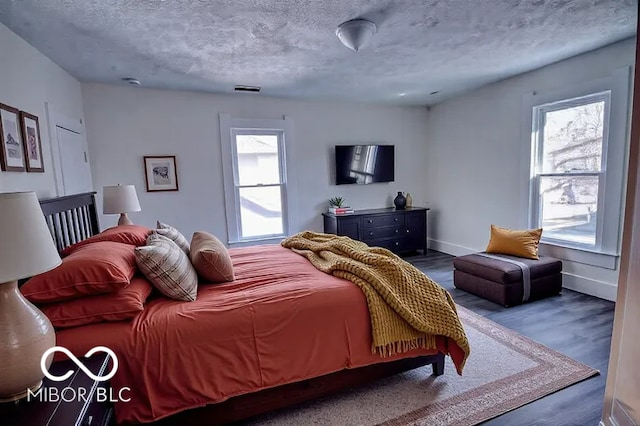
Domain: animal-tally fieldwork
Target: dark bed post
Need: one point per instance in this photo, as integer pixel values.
(93, 214)
(438, 366)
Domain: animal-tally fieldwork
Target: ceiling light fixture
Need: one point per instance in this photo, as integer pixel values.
(356, 33)
(132, 81)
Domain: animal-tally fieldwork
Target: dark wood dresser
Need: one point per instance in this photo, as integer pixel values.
(400, 231)
(67, 409)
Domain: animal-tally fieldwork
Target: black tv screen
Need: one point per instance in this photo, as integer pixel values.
(363, 164)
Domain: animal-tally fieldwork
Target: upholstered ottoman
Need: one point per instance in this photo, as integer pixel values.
(501, 278)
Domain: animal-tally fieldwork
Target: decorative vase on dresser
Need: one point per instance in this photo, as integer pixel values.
(409, 200)
(400, 201)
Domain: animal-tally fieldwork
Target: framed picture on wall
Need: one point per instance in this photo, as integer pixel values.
(31, 142)
(161, 173)
(12, 151)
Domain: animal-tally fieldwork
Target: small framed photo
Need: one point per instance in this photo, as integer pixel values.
(12, 150)
(32, 142)
(161, 173)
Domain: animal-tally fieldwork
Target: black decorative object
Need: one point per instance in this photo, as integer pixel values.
(400, 201)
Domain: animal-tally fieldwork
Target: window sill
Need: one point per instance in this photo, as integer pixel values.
(256, 241)
(579, 255)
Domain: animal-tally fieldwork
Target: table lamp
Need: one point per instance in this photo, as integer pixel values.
(120, 199)
(26, 249)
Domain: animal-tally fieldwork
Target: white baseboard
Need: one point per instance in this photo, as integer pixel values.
(578, 283)
(448, 248)
(585, 285)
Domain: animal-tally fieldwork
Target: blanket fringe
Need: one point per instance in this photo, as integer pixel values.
(402, 346)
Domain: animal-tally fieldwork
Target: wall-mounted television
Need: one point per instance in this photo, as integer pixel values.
(363, 164)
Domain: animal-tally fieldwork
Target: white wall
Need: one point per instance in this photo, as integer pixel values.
(28, 79)
(124, 123)
(474, 168)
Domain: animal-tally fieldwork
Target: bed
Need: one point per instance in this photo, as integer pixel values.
(282, 333)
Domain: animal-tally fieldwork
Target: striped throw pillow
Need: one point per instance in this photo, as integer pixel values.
(174, 235)
(168, 268)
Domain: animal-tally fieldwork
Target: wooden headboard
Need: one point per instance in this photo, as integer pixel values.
(71, 218)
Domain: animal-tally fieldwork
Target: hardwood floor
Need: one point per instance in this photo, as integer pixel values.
(574, 324)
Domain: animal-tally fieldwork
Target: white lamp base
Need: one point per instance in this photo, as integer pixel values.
(28, 333)
(124, 220)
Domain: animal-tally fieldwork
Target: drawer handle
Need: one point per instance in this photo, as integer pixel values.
(407, 231)
(397, 243)
(371, 234)
(395, 219)
(397, 231)
(370, 221)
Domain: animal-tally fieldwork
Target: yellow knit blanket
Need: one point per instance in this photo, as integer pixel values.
(407, 308)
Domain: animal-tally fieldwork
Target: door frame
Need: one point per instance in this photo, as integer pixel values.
(57, 119)
(624, 335)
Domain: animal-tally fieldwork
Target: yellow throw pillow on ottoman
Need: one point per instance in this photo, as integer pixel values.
(515, 243)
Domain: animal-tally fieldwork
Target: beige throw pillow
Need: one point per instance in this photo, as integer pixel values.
(167, 267)
(174, 235)
(211, 258)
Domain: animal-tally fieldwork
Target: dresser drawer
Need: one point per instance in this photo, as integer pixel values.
(376, 221)
(386, 232)
(393, 244)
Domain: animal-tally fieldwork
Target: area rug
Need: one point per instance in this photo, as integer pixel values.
(505, 371)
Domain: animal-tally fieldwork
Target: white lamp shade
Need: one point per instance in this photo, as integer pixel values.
(120, 199)
(26, 245)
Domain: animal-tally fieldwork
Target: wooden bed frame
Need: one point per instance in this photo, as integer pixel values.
(74, 218)
(71, 218)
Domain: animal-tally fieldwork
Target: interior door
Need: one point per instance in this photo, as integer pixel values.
(76, 173)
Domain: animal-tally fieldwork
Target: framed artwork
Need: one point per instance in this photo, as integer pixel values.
(160, 173)
(31, 142)
(12, 150)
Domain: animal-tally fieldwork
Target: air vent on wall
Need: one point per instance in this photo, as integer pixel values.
(254, 89)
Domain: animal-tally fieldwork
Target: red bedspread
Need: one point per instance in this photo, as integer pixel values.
(279, 322)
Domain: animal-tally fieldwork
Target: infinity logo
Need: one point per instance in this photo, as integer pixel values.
(65, 376)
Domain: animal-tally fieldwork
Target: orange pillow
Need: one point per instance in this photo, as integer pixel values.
(522, 243)
(211, 258)
(121, 305)
(102, 267)
(127, 234)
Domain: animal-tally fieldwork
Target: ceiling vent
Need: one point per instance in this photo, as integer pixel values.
(254, 89)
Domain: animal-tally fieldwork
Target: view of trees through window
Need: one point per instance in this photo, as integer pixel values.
(569, 171)
(259, 185)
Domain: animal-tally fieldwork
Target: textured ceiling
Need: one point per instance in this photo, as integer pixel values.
(289, 47)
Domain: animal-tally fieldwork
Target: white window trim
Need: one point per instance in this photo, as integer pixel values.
(538, 112)
(618, 83)
(231, 201)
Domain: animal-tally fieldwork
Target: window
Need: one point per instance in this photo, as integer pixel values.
(569, 168)
(574, 163)
(259, 181)
(257, 188)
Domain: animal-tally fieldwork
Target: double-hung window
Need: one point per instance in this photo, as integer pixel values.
(576, 150)
(259, 181)
(256, 178)
(569, 169)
